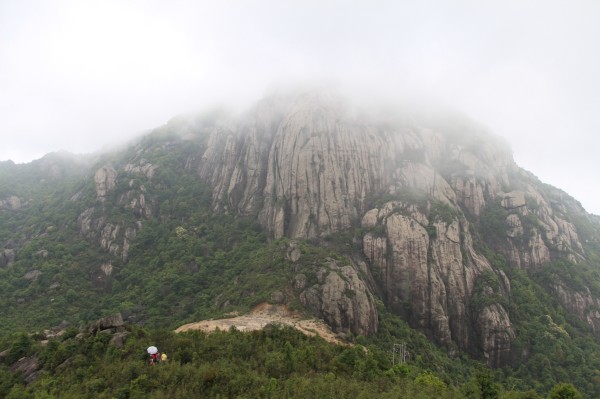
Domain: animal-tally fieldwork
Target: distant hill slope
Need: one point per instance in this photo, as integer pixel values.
(308, 201)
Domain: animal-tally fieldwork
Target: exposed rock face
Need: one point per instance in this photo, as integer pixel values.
(512, 200)
(7, 257)
(28, 366)
(103, 276)
(535, 233)
(97, 227)
(497, 334)
(105, 180)
(143, 167)
(428, 269)
(106, 269)
(42, 253)
(342, 299)
(110, 322)
(115, 236)
(11, 203)
(293, 253)
(32, 275)
(119, 339)
(323, 164)
(580, 303)
(315, 182)
(308, 165)
(514, 226)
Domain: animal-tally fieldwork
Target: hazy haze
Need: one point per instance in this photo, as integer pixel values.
(81, 75)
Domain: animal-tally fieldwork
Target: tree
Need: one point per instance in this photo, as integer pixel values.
(564, 391)
(489, 388)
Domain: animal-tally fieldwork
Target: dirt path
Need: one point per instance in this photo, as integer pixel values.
(262, 315)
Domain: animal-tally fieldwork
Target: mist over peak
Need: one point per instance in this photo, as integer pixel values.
(83, 87)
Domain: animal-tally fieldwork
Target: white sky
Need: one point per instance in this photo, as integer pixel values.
(81, 75)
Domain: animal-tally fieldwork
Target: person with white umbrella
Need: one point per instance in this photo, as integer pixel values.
(154, 356)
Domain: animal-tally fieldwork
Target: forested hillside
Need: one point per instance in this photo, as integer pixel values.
(401, 229)
(272, 363)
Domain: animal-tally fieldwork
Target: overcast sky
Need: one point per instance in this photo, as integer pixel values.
(82, 75)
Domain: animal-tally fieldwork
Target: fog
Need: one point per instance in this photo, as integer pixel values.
(82, 75)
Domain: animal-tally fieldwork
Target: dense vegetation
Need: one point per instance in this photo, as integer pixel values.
(272, 363)
(189, 263)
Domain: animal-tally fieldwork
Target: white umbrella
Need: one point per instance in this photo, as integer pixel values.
(152, 350)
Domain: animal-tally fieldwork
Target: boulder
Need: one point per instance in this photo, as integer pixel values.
(514, 199)
(277, 297)
(293, 253)
(12, 203)
(118, 340)
(28, 367)
(109, 322)
(32, 275)
(7, 257)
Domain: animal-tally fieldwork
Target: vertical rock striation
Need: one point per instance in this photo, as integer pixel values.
(312, 165)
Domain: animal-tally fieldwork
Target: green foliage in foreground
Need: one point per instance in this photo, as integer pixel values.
(272, 363)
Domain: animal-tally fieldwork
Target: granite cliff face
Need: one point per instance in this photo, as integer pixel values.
(310, 166)
(115, 236)
(421, 193)
(429, 270)
(341, 298)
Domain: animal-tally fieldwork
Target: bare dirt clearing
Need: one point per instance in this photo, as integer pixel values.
(263, 315)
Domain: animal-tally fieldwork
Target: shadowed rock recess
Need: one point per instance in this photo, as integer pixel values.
(421, 193)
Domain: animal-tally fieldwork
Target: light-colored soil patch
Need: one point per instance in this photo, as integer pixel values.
(263, 315)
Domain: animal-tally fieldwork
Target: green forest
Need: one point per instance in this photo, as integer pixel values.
(273, 363)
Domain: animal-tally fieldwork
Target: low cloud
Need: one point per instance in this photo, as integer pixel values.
(80, 76)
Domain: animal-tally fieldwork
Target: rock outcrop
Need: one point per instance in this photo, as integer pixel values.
(105, 180)
(428, 269)
(535, 232)
(114, 235)
(28, 367)
(496, 335)
(342, 299)
(113, 323)
(11, 203)
(32, 275)
(7, 257)
(581, 303)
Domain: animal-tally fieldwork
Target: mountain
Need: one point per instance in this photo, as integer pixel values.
(352, 214)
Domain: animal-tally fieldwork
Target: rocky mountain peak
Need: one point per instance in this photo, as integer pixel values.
(424, 194)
